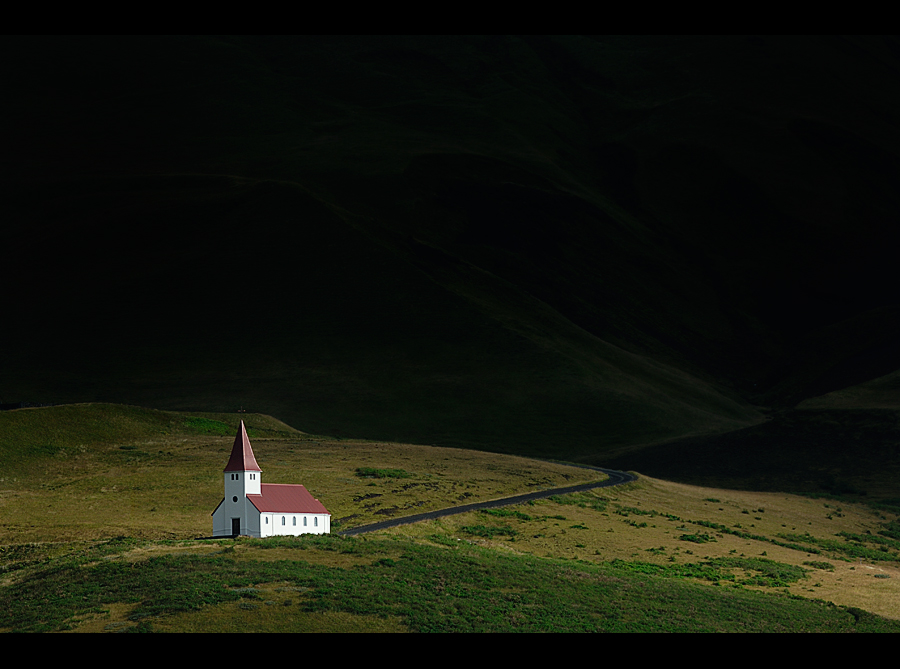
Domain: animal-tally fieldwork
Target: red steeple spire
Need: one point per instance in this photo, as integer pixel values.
(242, 459)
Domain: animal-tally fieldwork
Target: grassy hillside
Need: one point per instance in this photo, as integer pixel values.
(851, 452)
(335, 332)
(29, 434)
(98, 536)
(393, 586)
(99, 471)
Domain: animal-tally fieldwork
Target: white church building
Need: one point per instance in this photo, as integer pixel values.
(258, 509)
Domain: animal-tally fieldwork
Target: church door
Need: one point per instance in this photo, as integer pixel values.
(235, 526)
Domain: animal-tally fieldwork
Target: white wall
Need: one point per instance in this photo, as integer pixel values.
(253, 523)
(228, 510)
(318, 523)
(219, 527)
(238, 484)
(256, 526)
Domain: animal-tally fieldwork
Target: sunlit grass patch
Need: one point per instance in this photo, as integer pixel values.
(148, 499)
(279, 613)
(155, 474)
(209, 426)
(447, 580)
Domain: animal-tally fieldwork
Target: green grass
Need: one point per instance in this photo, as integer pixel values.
(208, 426)
(819, 564)
(428, 588)
(583, 500)
(489, 532)
(28, 435)
(375, 473)
(506, 513)
(762, 572)
(846, 547)
(159, 475)
(697, 538)
(154, 474)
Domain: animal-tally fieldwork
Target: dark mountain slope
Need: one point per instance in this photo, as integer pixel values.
(272, 299)
(554, 245)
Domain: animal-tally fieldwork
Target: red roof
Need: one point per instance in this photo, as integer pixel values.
(286, 498)
(242, 459)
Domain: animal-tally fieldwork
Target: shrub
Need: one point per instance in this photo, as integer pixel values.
(507, 513)
(488, 532)
(373, 473)
(826, 566)
(697, 538)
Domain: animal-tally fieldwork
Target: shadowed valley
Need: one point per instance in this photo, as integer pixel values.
(662, 254)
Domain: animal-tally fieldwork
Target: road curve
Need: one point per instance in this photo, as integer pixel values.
(615, 478)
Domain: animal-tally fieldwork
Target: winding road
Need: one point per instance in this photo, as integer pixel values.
(615, 478)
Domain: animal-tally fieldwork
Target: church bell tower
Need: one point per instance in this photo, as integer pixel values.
(242, 478)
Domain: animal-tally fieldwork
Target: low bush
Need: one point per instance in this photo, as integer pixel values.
(697, 538)
(373, 473)
(488, 532)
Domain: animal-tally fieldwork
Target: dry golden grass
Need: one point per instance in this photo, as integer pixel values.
(168, 488)
(241, 550)
(275, 612)
(609, 535)
(114, 620)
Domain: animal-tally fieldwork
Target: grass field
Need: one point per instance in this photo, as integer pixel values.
(99, 471)
(101, 507)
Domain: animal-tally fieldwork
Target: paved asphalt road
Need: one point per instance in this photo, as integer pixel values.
(615, 478)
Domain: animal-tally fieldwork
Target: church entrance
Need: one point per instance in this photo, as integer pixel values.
(235, 526)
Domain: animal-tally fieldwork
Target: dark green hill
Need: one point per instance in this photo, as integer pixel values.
(32, 434)
(338, 334)
(554, 246)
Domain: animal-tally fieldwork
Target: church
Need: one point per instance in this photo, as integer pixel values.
(257, 509)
